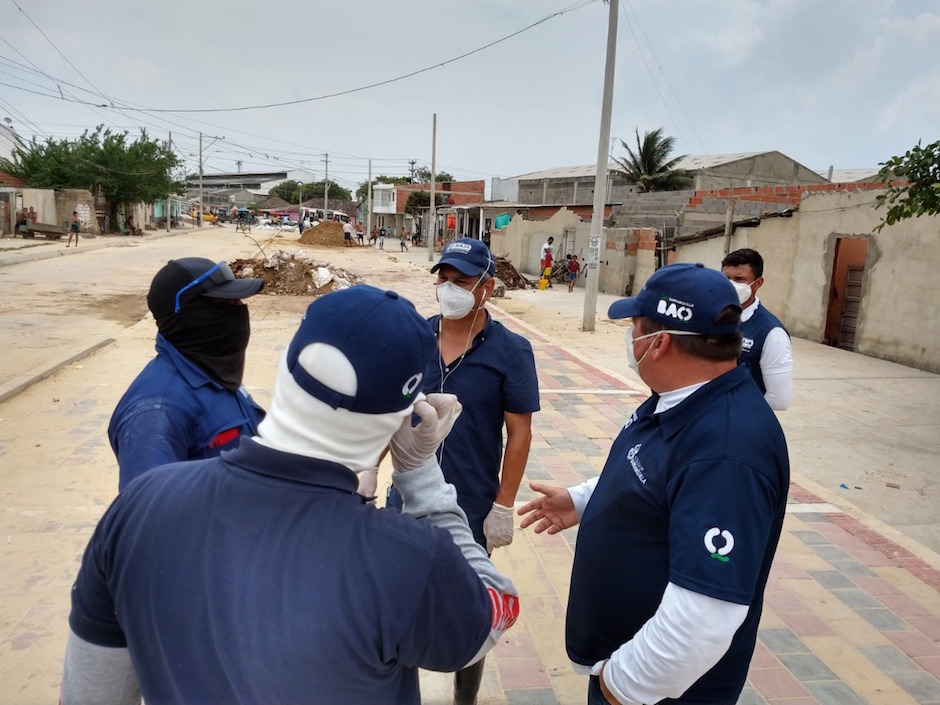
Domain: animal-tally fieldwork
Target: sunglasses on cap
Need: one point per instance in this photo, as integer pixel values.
(218, 275)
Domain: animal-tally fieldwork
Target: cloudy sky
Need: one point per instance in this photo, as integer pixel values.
(847, 83)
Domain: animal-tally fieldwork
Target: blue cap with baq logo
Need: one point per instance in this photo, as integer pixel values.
(686, 297)
(468, 256)
(362, 349)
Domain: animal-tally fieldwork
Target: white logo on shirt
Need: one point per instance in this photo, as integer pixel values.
(747, 343)
(630, 420)
(635, 462)
(720, 554)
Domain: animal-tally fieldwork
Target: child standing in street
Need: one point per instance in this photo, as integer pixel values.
(574, 268)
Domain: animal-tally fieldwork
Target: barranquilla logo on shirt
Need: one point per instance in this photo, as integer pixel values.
(720, 554)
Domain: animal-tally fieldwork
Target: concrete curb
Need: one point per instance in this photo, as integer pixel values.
(17, 385)
(35, 254)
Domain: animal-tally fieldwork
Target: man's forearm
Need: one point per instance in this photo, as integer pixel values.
(514, 460)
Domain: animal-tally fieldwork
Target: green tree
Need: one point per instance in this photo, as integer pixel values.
(423, 176)
(125, 171)
(912, 185)
(290, 191)
(650, 167)
(421, 200)
(362, 193)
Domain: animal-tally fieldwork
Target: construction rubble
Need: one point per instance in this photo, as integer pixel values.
(294, 274)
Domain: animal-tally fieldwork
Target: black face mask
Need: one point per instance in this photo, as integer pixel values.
(214, 336)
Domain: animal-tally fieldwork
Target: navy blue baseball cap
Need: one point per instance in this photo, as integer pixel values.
(387, 343)
(687, 297)
(468, 256)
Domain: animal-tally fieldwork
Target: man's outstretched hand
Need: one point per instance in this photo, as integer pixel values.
(551, 512)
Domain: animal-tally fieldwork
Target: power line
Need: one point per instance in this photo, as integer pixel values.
(300, 101)
(666, 76)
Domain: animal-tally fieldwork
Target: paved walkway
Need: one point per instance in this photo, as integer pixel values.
(850, 616)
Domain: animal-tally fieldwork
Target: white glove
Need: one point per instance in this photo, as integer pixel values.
(497, 527)
(412, 447)
(368, 483)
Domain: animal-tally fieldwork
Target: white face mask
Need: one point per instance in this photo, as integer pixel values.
(456, 302)
(744, 291)
(632, 362)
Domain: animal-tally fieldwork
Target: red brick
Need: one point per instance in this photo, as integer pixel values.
(776, 683)
(913, 643)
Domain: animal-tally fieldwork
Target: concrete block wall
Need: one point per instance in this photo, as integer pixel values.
(899, 288)
(68, 200)
(521, 241)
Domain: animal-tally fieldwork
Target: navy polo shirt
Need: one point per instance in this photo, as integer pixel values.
(694, 496)
(262, 577)
(496, 375)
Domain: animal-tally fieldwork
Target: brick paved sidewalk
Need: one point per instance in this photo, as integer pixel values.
(849, 617)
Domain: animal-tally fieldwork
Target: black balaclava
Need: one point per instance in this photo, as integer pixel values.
(213, 335)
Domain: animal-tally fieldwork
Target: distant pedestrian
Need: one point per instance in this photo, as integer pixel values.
(74, 225)
(574, 267)
(22, 218)
(31, 215)
(766, 348)
(347, 235)
(374, 235)
(382, 238)
(360, 233)
(404, 241)
(547, 259)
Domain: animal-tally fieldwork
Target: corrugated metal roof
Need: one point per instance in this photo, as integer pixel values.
(706, 161)
(849, 176)
(692, 163)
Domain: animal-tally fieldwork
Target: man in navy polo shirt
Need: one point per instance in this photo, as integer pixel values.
(492, 372)
(189, 401)
(678, 533)
(263, 576)
(765, 348)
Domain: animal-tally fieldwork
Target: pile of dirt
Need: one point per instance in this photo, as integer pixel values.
(325, 234)
(295, 274)
(511, 277)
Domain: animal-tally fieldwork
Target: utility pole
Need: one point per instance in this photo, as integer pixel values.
(300, 202)
(432, 236)
(169, 143)
(200, 179)
(369, 204)
(411, 164)
(729, 218)
(326, 183)
(600, 175)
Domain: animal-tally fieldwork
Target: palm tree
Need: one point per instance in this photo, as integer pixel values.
(650, 167)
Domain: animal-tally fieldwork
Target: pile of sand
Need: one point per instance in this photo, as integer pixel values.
(325, 234)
